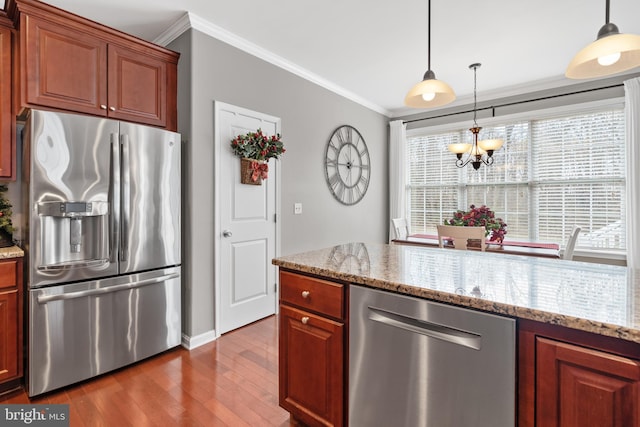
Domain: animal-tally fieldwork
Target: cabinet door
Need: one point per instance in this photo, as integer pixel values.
(578, 387)
(63, 68)
(8, 335)
(7, 142)
(311, 367)
(137, 86)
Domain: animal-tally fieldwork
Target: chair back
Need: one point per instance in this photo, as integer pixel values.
(460, 235)
(571, 243)
(401, 228)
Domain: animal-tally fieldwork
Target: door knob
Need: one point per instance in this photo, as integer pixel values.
(227, 233)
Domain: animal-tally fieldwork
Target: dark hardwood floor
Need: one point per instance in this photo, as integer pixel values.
(230, 382)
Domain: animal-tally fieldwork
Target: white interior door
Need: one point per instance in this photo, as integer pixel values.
(246, 227)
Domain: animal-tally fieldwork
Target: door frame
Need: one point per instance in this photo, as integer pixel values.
(217, 229)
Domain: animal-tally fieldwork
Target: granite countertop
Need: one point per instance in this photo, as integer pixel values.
(599, 298)
(11, 252)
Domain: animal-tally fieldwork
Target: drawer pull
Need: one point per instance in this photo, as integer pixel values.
(305, 320)
(305, 294)
(102, 106)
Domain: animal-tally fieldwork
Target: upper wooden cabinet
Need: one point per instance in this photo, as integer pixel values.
(7, 121)
(70, 63)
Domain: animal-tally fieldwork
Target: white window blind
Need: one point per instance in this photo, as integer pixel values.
(579, 177)
(549, 175)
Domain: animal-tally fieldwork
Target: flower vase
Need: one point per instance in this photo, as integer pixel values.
(6, 240)
(247, 169)
(474, 243)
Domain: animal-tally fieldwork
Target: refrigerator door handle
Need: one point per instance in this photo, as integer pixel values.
(125, 203)
(114, 184)
(422, 327)
(43, 299)
(75, 264)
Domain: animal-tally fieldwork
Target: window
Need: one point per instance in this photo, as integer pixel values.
(551, 173)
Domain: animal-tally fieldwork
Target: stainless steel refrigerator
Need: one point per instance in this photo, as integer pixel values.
(103, 248)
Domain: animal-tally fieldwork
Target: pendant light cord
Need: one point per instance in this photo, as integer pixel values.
(607, 13)
(475, 68)
(429, 35)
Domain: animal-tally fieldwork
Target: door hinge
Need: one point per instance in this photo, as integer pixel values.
(275, 287)
(275, 217)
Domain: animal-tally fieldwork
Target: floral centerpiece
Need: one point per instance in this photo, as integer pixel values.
(482, 216)
(255, 149)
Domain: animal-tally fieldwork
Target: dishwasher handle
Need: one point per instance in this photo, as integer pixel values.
(430, 329)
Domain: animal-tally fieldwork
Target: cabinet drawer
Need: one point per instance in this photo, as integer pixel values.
(320, 296)
(8, 274)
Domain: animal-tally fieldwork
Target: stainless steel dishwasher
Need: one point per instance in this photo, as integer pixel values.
(414, 362)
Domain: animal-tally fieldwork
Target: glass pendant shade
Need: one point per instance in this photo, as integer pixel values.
(585, 64)
(429, 93)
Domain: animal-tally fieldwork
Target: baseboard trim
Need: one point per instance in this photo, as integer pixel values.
(196, 341)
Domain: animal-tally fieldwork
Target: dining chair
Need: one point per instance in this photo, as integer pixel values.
(401, 228)
(460, 235)
(571, 243)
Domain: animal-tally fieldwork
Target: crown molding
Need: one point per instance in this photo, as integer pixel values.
(190, 20)
(174, 31)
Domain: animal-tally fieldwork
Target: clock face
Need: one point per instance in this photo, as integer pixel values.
(347, 167)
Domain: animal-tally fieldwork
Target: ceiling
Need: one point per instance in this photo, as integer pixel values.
(374, 51)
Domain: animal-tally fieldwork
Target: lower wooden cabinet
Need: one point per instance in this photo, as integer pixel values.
(10, 321)
(312, 358)
(578, 387)
(573, 379)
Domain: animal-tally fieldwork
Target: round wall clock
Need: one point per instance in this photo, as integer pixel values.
(346, 165)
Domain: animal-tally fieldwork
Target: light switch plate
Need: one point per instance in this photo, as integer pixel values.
(297, 208)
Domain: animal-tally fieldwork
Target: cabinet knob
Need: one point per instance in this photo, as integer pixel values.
(112, 108)
(305, 294)
(305, 320)
(104, 107)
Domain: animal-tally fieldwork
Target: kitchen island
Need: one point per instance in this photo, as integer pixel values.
(567, 313)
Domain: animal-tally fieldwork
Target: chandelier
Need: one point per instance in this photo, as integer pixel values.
(478, 152)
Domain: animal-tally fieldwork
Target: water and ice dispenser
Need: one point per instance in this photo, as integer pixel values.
(73, 234)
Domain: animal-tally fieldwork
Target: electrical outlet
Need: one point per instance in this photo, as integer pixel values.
(297, 208)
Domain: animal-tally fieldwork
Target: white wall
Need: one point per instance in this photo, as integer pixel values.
(210, 70)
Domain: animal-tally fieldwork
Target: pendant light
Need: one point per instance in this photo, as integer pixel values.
(611, 53)
(430, 92)
(478, 152)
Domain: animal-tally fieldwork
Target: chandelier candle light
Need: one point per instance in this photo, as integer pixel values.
(479, 152)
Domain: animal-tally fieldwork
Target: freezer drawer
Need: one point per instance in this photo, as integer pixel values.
(85, 329)
(414, 362)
